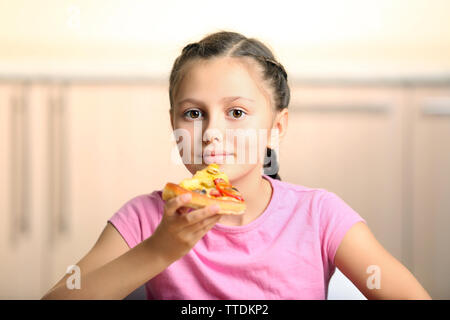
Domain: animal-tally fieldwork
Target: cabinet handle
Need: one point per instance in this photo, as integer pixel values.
(342, 108)
(436, 107)
(25, 225)
(16, 180)
(58, 163)
(63, 209)
(53, 188)
(20, 184)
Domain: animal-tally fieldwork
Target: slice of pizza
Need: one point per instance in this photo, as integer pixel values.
(207, 187)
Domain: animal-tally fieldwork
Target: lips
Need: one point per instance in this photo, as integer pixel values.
(213, 153)
(219, 157)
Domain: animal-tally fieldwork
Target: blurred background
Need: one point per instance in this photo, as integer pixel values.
(84, 123)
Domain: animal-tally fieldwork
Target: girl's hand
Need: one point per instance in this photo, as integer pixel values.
(179, 229)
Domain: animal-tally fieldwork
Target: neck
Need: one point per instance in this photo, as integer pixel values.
(257, 193)
(250, 185)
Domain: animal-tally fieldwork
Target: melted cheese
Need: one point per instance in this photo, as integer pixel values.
(204, 179)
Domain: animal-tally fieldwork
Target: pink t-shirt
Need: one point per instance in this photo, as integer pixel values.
(286, 253)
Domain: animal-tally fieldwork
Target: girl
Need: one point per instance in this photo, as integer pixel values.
(287, 243)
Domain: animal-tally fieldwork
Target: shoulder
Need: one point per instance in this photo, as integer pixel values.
(325, 206)
(145, 201)
(292, 192)
(303, 202)
(143, 207)
(138, 217)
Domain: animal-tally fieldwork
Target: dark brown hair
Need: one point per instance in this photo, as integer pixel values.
(233, 44)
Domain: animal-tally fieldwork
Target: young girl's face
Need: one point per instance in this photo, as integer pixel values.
(227, 103)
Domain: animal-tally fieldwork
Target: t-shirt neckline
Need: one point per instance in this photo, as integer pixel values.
(262, 217)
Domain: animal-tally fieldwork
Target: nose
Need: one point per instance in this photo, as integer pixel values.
(212, 135)
(214, 128)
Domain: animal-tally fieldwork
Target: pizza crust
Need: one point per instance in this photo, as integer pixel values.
(172, 190)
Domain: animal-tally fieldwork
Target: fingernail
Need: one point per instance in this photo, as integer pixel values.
(215, 208)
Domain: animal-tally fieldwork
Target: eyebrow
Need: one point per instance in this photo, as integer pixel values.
(225, 99)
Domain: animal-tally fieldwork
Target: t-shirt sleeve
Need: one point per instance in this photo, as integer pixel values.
(336, 218)
(138, 218)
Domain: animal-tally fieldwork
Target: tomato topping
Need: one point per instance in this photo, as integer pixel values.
(214, 193)
(226, 189)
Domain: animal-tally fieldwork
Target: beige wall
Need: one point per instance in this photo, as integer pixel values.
(319, 38)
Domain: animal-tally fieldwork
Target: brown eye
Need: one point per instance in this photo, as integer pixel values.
(195, 114)
(192, 114)
(237, 113)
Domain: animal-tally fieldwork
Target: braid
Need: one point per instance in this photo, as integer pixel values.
(271, 165)
(190, 46)
(276, 64)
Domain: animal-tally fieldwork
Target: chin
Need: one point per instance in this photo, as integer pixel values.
(236, 171)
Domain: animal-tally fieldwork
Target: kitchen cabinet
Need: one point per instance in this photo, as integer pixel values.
(117, 141)
(430, 188)
(22, 189)
(73, 152)
(349, 140)
(71, 155)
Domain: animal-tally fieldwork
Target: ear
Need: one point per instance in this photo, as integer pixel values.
(281, 123)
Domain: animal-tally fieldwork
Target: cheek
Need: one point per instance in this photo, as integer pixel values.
(250, 145)
(183, 136)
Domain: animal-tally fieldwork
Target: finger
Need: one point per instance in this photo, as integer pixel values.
(171, 206)
(202, 224)
(198, 215)
(202, 230)
(196, 232)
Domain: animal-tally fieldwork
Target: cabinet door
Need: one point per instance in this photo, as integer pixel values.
(117, 144)
(22, 190)
(349, 140)
(431, 189)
